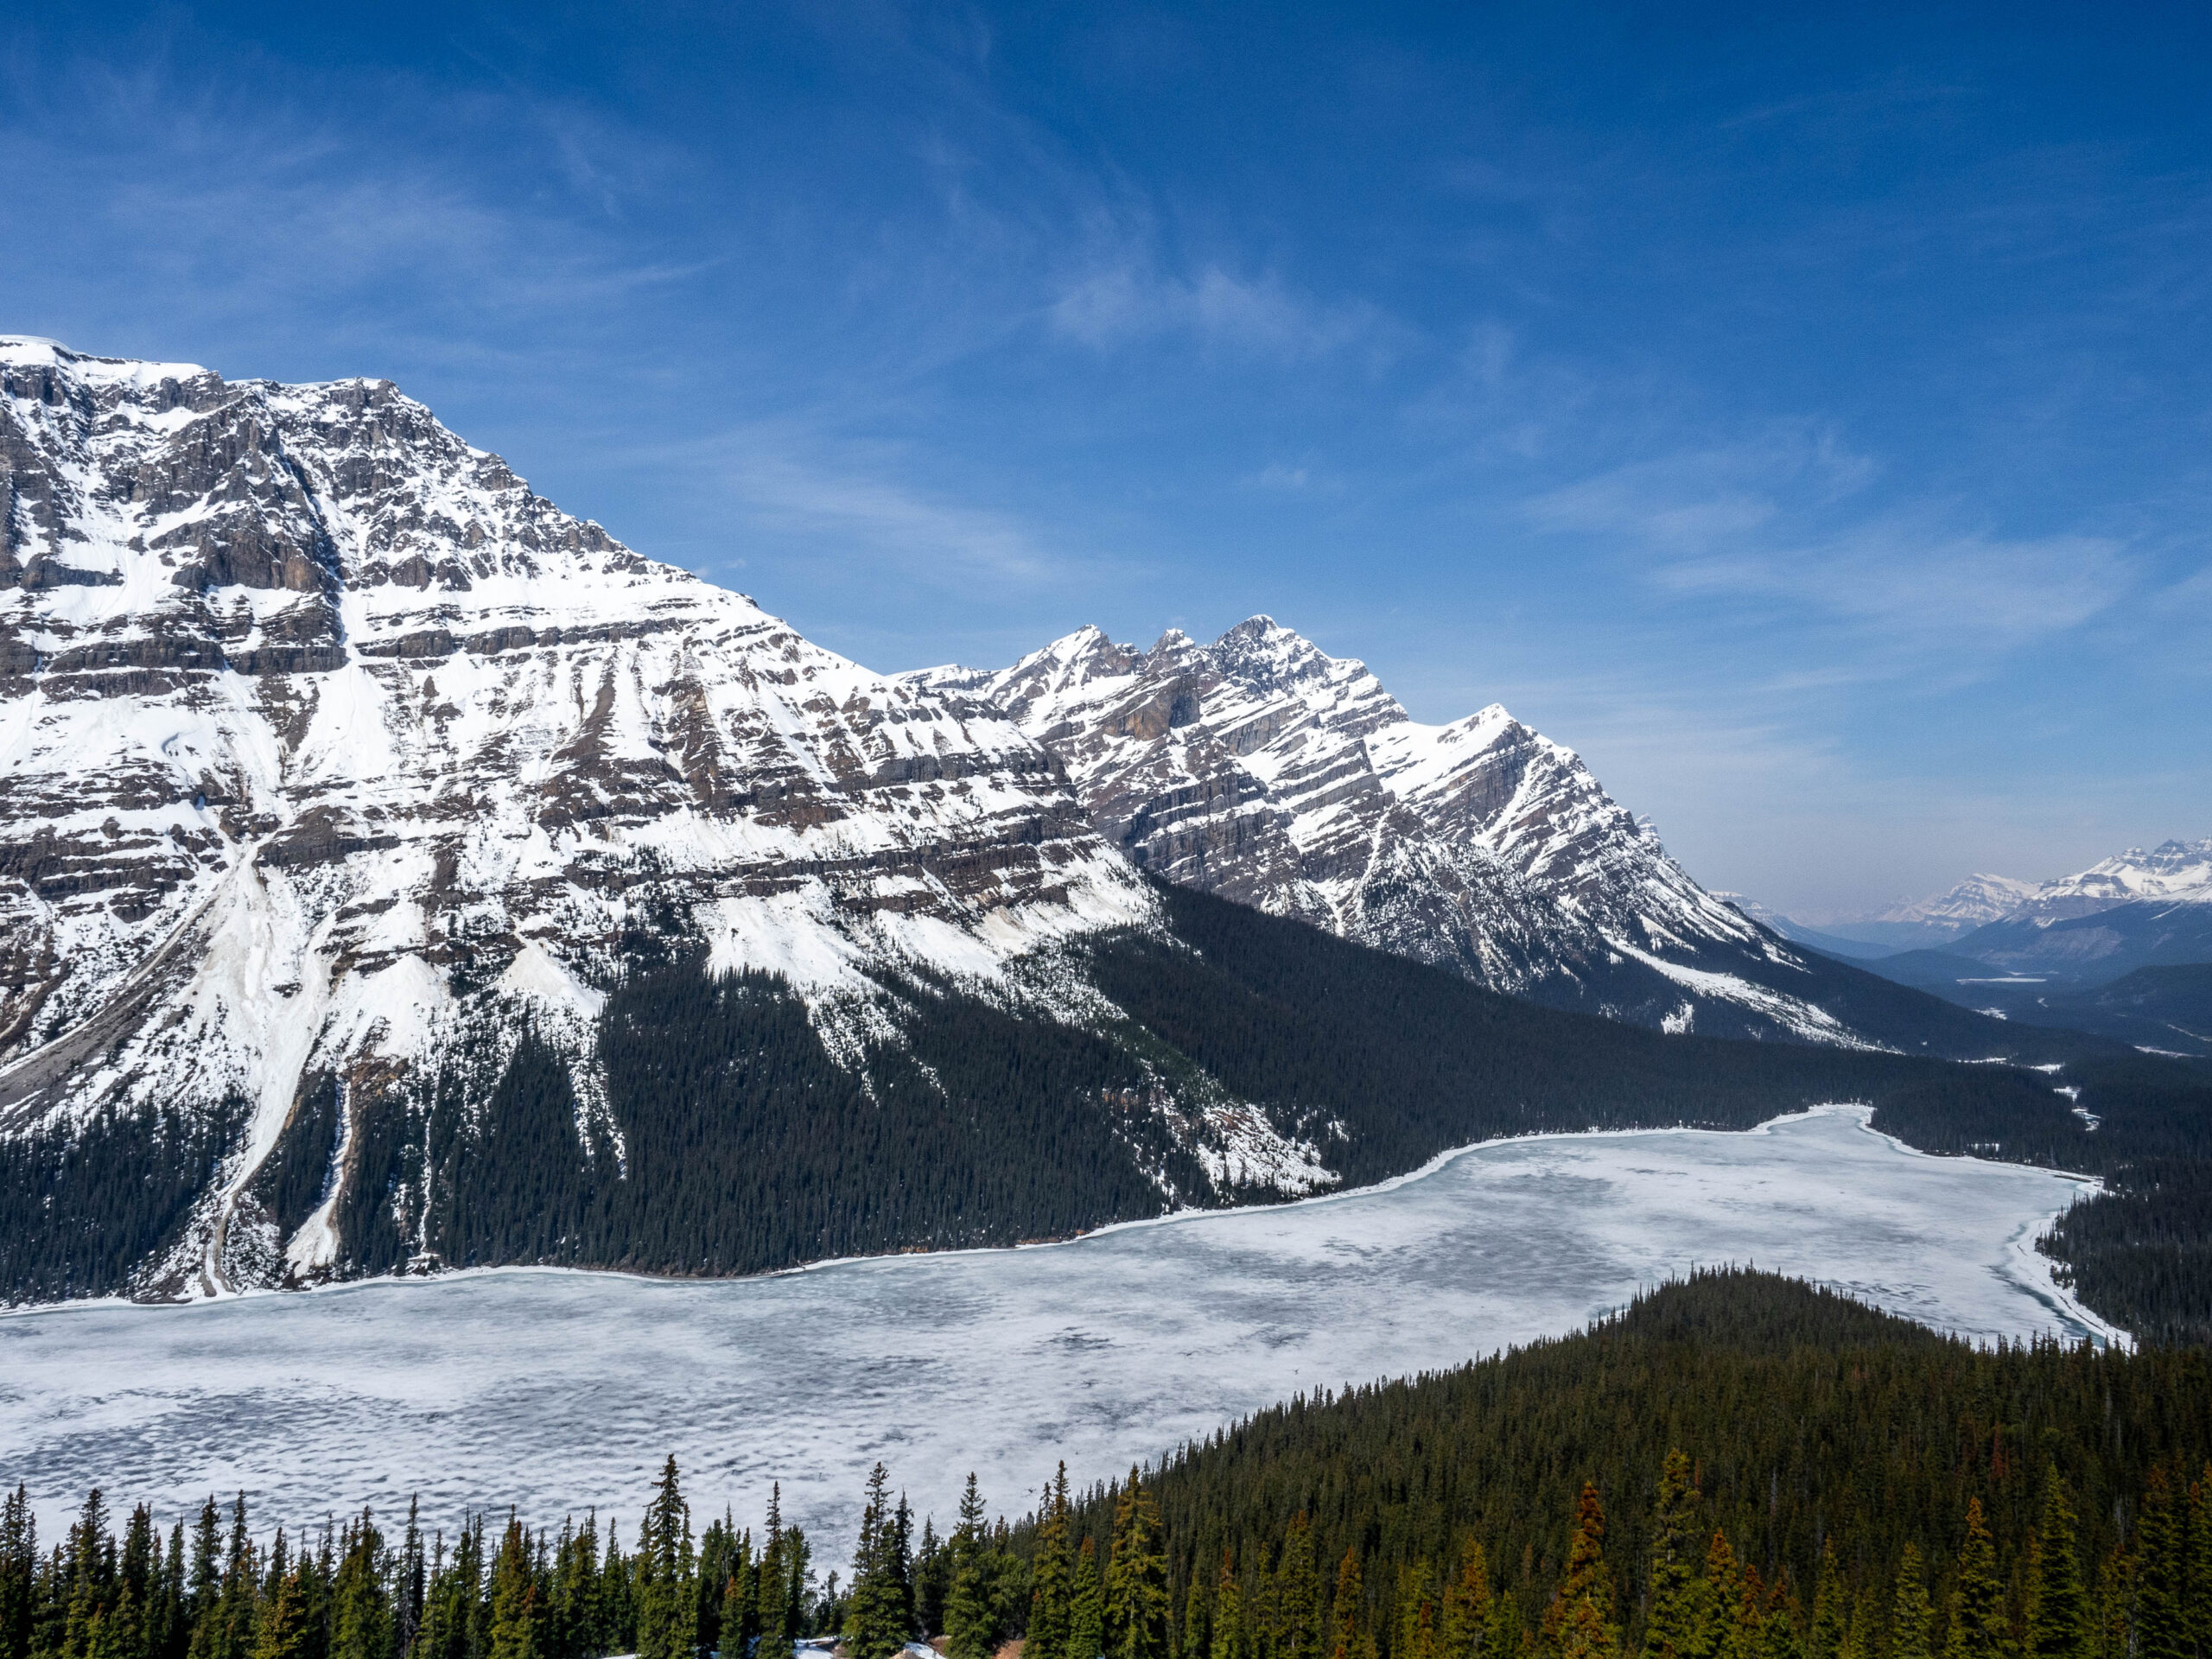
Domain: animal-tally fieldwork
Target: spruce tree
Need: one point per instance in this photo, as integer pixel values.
(1470, 1610)
(1048, 1597)
(1347, 1608)
(1298, 1594)
(1669, 1629)
(1086, 1605)
(1831, 1615)
(667, 1599)
(18, 1572)
(2058, 1604)
(1136, 1578)
(514, 1597)
(771, 1608)
(1977, 1629)
(1912, 1614)
(970, 1631)
(1579, 1620)
(875, 1614)
(1712, 1602)
(2197, 1566)
(360, 1619)
(2161, 1606)
(1415, 1636)
(284, 1631)
(1227, 1633)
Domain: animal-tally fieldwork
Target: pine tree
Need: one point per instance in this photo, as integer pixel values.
(1416, 1635)
(1831, 1618)
(1669, 1629)
(1086, 1605)
(970, 1631)
(771, 1614)
(1912, 1614)
(1712, 1602)
(360, 1621)
(2161, 1606)
(1228, 1634)
(1347, 1608)
(1136, 1578)
(875, 1615)
(1579, 1620)
(667, 1598)
(18, 1572)
(1049, 1577)
(2197, 1566)
(2058, 1605)
(1470, 1610)
(514, 1598)
(1298, 1594)
(1977, 1600)
(284, 1632)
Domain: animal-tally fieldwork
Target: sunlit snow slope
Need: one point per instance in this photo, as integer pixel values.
(1262, 768)
(326, 743)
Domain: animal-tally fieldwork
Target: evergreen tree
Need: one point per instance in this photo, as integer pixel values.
(1912, 1614)
(1348, 1609)
(284, 1632)
(1831, 1615)
(1470, 1610)
(1978, 1598)
(1579, 1620)
(1227, 1636)
(360, 1619)
(2196, 1564)
(1136, 1578)
(2162, 1611)
(1669, 1629)
(667, 1599)
(1298, 1593)
(1712, 1602)
(1086, 1605)
(875, 1615)
(1050, 1575)
(514, 1598)
(18, 1572)
(771, 1614)
(2058, 1604)
(970, 1629)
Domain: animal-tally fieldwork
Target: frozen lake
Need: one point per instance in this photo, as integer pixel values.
(556, 1390)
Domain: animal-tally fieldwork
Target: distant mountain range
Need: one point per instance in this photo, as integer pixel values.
(2106, 950)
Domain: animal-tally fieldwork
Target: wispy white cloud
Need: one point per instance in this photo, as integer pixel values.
(1133, 302)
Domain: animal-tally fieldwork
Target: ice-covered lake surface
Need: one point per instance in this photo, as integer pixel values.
(555, 1391)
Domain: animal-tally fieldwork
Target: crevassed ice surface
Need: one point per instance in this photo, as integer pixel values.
(557, 1390)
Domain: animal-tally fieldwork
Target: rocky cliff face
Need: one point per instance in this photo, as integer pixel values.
(1261, 768)
(326, 743)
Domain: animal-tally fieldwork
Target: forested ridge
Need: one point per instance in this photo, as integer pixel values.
(731, 1140)
(1737, 1467)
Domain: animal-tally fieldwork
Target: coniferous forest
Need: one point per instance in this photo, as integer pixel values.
(1736, 1467)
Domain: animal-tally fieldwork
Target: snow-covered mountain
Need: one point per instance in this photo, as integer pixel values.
(1261, 768)
(397, 872)
(1980, 898)
(2137, 910)
(2174, 872)
(326, 744)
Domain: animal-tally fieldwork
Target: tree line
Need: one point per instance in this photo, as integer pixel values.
(1736, 1467)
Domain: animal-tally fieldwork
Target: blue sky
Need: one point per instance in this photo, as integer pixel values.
(1809, 417)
